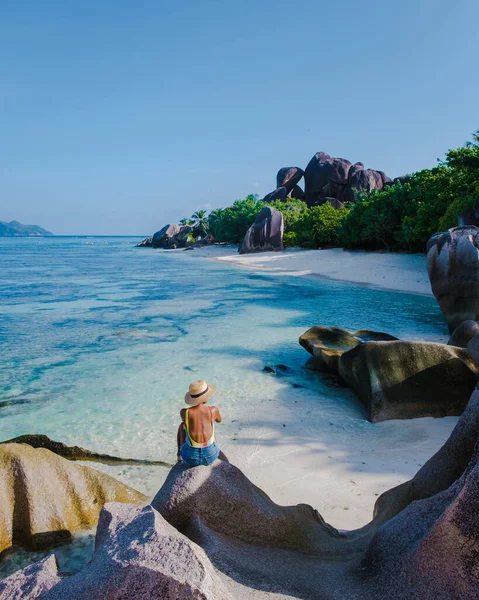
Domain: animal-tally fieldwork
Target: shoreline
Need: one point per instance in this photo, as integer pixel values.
(387, 271)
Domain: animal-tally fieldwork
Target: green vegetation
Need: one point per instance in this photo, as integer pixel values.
(405, 215)
(400, 217)
(303, 226)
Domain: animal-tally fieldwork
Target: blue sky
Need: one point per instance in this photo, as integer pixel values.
(119, 116)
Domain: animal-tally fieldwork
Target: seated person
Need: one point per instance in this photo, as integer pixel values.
(196, 434)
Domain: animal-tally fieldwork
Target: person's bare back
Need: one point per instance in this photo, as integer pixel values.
(200, 417)
(196, 434)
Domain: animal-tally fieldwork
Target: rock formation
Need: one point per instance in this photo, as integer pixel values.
(327, 179)
(45, 498)
(266, 232)
(464, 333)
(139, 556)
(289, 177)
(171, 236)
(146, 243)
(422, 544)
(453, 267)
(77, 452)
(404, 380)
(395, 379)
(328, 344)
(32, 582)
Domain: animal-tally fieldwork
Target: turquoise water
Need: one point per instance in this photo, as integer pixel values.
(100, 340)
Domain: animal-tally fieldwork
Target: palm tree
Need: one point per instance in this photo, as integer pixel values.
(475, 141)
(187, 222)
(216, 214)
(200, 220)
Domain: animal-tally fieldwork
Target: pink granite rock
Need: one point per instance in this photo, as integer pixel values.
(31, 582)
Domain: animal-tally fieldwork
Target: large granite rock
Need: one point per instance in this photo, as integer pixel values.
(32, 582)
(297, 192)
(227, 503)
(395, 379)
(289, 177)
(139, 556)
(44, 497)
(279, 193)
(453, 267)
(146, 243)
(404, 380)
(464, 333)
(422, 544)
(36, 440)
(328, 177)
(334, 202)
(431, 549)
(266, 233)
(402, 554)
(164, 235)
(365, 180)
(328, 344)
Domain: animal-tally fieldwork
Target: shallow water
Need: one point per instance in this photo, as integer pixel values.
(100, 340)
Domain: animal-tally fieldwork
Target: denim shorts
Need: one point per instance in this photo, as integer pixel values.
(199, 456)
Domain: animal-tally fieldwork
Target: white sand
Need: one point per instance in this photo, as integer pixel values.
(402, 272)
(339, 468)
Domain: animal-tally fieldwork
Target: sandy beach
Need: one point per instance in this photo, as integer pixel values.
(299, 454)
(401, 272)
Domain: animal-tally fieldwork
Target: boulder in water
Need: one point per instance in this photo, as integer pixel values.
(146, 243)
(164, 235)
(266, 233)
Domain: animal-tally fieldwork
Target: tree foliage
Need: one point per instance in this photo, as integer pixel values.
(400, 217)
(405, 215)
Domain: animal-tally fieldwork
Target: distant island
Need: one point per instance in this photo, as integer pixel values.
(16, 229)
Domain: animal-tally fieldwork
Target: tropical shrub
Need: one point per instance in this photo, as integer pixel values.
(405, 215)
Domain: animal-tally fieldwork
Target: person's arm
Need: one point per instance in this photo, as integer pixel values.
(216, 414)
(182, 414)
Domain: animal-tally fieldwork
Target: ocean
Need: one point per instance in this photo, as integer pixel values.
(100, 341)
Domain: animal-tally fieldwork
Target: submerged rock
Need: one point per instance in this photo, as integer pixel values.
(453, 268)
(404, 380)
(45, 498)
(266, 233)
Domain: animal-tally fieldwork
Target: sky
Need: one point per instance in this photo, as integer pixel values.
(117, 117)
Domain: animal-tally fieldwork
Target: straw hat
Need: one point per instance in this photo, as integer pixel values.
(199, 391)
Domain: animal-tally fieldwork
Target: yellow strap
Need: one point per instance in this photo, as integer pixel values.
(192, 441)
